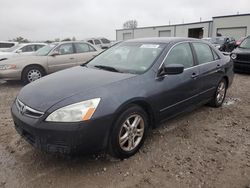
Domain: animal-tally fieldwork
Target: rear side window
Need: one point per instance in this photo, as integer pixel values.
(81, 47)
(203, 52)
(180, 54)
(6, 45)
(105, 41)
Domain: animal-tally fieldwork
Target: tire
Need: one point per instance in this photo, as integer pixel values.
(126, 139)
(32, 73)
(220, 94)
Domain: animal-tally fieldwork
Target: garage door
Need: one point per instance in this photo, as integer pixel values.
(233, 32)
(166, 33)
(127, 36)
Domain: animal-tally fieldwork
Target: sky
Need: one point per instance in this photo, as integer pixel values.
(39, 20)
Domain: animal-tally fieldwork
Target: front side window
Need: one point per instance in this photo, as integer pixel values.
(180, 54)
(216, 56)
(28, 48)
(39, 46)
(97, 42)
(45, 50)
(203, 53)
(135, 58)
(90, 41)
(65, 49)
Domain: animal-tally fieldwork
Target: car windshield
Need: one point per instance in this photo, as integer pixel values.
(218, 40)
(128, 57)
(45, 50)
(13, 48)
(245, 43)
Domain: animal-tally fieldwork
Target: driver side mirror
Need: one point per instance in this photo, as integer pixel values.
(171, 69)
(55, 53)
(19, 51)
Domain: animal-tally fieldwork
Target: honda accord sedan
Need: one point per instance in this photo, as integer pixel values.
(110, 103)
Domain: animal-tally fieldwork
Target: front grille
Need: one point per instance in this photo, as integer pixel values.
(243, 57)
(26, 110)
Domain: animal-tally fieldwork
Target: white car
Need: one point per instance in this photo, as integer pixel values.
(4, 45)
(21, 49)
(101, 42)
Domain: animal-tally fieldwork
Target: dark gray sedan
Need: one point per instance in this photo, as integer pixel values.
(111, 102)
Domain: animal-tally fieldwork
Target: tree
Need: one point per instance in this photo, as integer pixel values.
(130, 24)
(66, 39)
(57, 40)
(20, 40)
(73, 39)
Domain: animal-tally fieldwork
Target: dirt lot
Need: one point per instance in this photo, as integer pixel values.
(206, 148)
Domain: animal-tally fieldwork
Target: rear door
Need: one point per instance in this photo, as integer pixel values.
(65, 58)
(178, 92)
(84, 52)
(210, 68)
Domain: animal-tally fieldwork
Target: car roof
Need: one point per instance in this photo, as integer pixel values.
(32, 43)
(162, 39)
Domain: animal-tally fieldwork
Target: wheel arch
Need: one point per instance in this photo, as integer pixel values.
(141, 102)
(34, 64)
(227, 80)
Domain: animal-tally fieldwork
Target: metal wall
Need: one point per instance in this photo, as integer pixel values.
(235, 25)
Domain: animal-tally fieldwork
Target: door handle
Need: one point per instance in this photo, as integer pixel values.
(194, 75)
(71, 58)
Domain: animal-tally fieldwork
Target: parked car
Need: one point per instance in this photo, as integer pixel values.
(102, 43)
(49, 59)
(241, 56)
(21, 49)
(112, 101)
(224, 44)
(4, 45)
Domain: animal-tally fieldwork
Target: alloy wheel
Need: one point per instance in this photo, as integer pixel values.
(131, 132)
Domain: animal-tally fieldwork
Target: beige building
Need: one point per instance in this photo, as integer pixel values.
(232, 26)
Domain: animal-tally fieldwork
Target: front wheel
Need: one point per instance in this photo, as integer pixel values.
(220, 94)
(129, 132)
(32, 73)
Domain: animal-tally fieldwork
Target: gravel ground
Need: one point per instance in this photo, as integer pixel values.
(205, 148)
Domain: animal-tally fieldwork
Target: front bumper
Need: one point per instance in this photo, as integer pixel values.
(241, 66)
(66, 138)
(12, 74)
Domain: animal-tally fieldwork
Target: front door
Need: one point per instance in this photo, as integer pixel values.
(62, 57)
(178, 92)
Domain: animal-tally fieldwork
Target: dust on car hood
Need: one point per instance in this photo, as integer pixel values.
(49, 90)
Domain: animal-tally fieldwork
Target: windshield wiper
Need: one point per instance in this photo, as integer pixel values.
(104, 67)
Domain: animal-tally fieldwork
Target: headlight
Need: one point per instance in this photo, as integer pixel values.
(234, 56)
(77, 112)
(6, 67)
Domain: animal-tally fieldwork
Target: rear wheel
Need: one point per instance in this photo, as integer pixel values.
(129, 132)
(220, 94)
(32, 73)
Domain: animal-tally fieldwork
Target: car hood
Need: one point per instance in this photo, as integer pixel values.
(241, 51)
(47, 91)
(5, 54)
